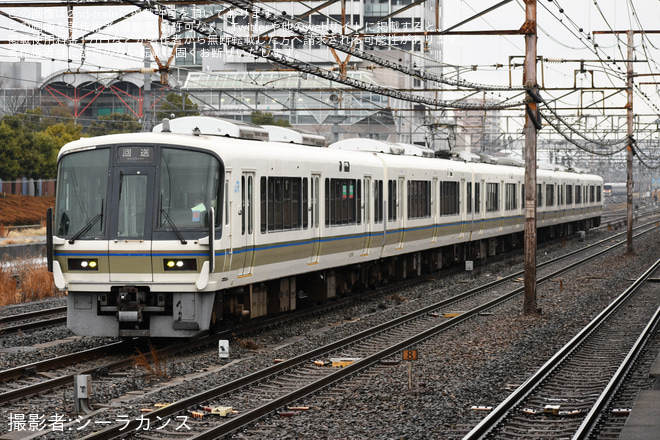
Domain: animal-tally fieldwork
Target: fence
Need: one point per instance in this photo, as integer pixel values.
(28, 187)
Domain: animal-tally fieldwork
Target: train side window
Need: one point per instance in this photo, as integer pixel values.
(550, 195)
(539, 194)
(243, 212)
(592, 193)
(477, 197)
(305, 204)
(391, 200)
(578, 194)
(263, 200)
(510, 203)
(378, 201)
(419, 199)
(342, 199)
(569, 194)
(449, 198)
(282, 202)
(599, 193)
(492, 197)
(468, 194)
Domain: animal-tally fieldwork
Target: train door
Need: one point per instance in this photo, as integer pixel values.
(129, 246)
(366, 215)
(435, 207)
(314, 221)
(461, 208)
(400, 203)
(479, 208)
(229, 236)
(247, 222)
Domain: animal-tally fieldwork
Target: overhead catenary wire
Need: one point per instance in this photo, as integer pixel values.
(257, 49)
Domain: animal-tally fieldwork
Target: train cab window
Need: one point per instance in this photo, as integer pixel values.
(599, 194)
(569, 194)
(549, 194)
(419, 199)
(510, 200)
(189, 185)
(81, 193)
(342, 199)
(492, 197)
(283, 202)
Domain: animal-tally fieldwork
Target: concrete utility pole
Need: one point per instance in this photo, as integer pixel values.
(629, 154)
(529, 29)
(147, 124)
(629, 108)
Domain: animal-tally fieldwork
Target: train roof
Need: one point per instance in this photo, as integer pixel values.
(277, 133)
(230, 148)
(378, 146)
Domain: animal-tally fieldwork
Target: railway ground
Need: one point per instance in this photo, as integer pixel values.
(643, 423)
(449, 379)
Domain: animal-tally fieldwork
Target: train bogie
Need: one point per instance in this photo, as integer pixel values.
(169, 234)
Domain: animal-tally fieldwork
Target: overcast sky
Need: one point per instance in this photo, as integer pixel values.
(565, 33)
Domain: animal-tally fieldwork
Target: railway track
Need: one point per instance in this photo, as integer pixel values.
(275, 390)
(568, 395)
(13, 324)
(104, 368)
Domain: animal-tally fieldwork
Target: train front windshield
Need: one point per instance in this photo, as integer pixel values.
(189, 187)
(100, 194)
(81, 193)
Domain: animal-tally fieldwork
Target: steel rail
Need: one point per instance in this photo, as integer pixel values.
(589, 423)
(32, 315)
(234, 423)
(500, 412)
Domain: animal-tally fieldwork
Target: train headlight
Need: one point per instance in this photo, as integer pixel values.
(180, 264)
(83, 264)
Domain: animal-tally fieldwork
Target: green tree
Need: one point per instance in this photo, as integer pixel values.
(63, 133)
(177, 105)
(260, 118)
(114, 123)
(10, 167)
(26, 153)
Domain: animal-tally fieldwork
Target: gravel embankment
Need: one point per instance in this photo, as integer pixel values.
(474, 364)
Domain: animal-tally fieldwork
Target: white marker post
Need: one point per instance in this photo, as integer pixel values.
(223, 349)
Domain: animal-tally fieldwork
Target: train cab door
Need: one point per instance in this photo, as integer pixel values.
(247, 222)
(129, 246)
(315, 218)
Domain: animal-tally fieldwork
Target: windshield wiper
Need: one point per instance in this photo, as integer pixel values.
(87, 227)
(169, 220)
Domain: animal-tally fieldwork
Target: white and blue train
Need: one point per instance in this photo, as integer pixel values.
(203, 221)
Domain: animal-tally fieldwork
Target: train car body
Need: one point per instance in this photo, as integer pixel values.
(169, 234)
(611, 189)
